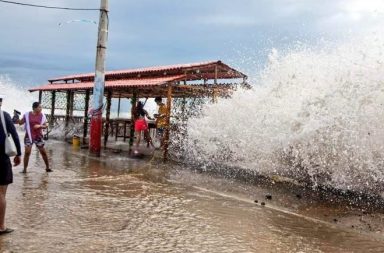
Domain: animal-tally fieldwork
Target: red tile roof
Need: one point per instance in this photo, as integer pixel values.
(142, 82)
(157, 70)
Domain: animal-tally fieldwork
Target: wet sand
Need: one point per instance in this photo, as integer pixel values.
(119, 204)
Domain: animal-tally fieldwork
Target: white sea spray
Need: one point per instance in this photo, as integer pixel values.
(314, 114)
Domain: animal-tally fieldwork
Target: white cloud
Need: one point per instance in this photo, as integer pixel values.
(363, 6)
(230, 20)
(353, 16)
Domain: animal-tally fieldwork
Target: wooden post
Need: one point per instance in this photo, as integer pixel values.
(67, 111)
(99, 82)
(215, 75)
(214, 99)
(185, 80)
(40, 96)
(132, 127)
(85, 123)
(52, 119)
(72, 99)
(214, 96)
(118, 107)
(168, 122)
(183, 120)
(107, 115)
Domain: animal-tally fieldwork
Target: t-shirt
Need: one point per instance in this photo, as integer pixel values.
(35, 119)
(161, 121)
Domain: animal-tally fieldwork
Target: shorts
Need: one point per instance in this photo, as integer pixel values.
(141, 125)
(39, 142)
(6, 174)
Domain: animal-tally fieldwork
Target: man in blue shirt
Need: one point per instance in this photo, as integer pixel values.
(6, 175)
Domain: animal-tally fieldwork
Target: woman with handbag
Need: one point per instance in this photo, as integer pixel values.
(7, 129)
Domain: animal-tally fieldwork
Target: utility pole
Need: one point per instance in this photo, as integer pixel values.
(98, 88)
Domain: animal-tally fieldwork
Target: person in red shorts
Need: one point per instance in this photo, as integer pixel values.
(141, 125)
(35, 122)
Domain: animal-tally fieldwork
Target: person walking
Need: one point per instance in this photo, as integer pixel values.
(161, 120)
(6, 175)
(35, 121)
(141, 124)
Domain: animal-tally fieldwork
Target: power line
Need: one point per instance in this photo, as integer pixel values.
(49, 7)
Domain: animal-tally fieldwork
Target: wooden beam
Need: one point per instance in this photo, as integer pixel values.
(72, 99)
(85, 123)
(214, 95)
(53, 99)
(215, 75)
(118, 107)
(107, 115)
(132, 127)
(67, 111)
(168, 122)
(40, 96)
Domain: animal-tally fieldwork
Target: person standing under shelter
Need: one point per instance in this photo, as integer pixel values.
(35, 121)
(161, 120)
(141, 124)
(6, 175)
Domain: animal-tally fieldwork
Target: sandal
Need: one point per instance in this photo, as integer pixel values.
(6, 231)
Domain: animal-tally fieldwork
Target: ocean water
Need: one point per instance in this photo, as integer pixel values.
(118, 204)
(17, 97)
(315, 113)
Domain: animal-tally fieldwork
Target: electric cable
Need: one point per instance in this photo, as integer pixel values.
(50, 7)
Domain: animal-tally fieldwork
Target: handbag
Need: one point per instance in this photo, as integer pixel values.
(10, 147)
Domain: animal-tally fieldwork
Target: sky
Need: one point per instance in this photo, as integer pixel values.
(35, 47)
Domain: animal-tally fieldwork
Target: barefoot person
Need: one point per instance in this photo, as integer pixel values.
(35, 122)
(6, 176)
(141, 124)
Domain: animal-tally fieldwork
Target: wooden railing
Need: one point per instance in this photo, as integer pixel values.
(119, 127)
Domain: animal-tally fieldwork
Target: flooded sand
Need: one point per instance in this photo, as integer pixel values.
(118, 204)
